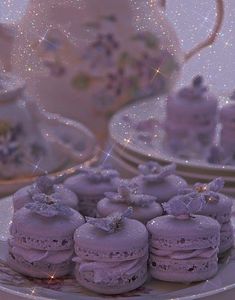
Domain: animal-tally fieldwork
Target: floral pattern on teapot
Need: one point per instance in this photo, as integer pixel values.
(112, 73)
(9, 146)
(11, 150)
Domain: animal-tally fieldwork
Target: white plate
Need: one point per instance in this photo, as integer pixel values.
(123, 132)
(14, 284)
(73, 144)
(199, 173)
(128, 168)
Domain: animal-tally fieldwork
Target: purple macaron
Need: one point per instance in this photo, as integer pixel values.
(111, 254)
(159, 181)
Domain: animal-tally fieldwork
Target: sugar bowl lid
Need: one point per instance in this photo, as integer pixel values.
(11, 87)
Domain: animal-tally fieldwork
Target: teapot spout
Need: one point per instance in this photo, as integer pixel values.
(7, 39)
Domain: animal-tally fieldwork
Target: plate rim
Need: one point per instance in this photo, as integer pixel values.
(119, 149)
(93, 156)
(212, 292)
(115, 120)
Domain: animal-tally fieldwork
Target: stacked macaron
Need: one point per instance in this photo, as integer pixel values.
(227, 137)
(49, 187)
(183, 247)
(191, 119)
(144, 207)
(218, 207)
(159, 181)
(90, 186)
(41, 243)
(112, 254)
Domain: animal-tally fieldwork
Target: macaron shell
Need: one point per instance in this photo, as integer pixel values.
(190, 270)
(197, 232)
(129, 242)
(21, 197)
(81, 185)
(43, 256)
(163, 190)
(34, 231)
(106, 207)
(226, 237)
(39, 269)
(65, 196)
(131, 283)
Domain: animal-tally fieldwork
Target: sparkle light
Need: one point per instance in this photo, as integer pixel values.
(33, 291)
(36, 166)
(107, 154)
(201, 188)
(157, 71)
(51, 278)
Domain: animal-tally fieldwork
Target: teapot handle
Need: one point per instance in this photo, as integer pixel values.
(214, 33)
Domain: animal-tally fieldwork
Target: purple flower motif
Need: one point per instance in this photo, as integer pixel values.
(43, 185)
(46, 206)
(215, 186)
(182, 206)
(100, 174)
(101, 50)
(10, 150)
(153, 172)
(129, 194)
(111, 223)
(209, 192)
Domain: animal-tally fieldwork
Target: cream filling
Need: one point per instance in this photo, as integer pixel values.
(32, 255)
(104, 271)
(185, 254)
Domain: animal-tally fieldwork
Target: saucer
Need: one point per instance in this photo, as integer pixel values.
(73, 145)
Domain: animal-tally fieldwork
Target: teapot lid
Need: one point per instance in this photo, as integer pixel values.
(11, 87)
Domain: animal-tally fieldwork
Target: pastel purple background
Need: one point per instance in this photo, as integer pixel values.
(193, 21)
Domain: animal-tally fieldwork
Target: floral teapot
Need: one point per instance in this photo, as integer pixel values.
(86, 59)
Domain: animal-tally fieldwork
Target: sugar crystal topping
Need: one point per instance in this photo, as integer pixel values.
(46, 206)
(112, 223)
(127, 193)
(184, 205)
